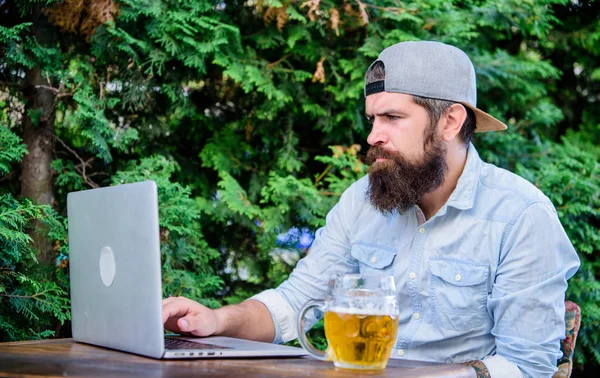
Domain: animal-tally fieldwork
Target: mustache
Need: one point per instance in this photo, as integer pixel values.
(377, 152)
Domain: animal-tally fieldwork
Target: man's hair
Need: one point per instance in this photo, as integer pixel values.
(434, 107)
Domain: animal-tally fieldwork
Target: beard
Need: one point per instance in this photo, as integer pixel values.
(398, 184)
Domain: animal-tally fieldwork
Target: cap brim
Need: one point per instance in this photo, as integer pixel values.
(485, 122)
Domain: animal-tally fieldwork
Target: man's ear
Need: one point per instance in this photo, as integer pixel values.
(454, 118)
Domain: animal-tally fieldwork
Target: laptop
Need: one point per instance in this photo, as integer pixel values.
(116, 286)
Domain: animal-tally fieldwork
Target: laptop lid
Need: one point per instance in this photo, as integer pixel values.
(115, 268)
(114, 247)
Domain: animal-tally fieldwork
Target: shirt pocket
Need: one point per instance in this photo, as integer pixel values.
(373, 259)
(458, 290)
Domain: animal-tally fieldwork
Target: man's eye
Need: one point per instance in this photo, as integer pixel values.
(392, 118)
(370, 119)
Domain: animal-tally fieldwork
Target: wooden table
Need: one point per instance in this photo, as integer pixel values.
(65, 358)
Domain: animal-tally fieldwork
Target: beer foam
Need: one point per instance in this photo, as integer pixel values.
(389, 311)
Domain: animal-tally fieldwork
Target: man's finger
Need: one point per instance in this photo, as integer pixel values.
(184, 325)
(168, 300)
(177, 307)
(194, 325)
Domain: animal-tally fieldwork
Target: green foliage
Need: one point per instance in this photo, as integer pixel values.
(343, 168)
(11, 44)
(29, 305)
(249, 116)
(14, 217)
(11, 149)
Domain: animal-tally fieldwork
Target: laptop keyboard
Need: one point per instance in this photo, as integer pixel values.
(171, 343)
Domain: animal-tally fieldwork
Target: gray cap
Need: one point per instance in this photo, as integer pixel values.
(434, 70)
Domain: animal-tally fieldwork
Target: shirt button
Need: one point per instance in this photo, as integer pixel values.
(458, 277)
(422, 230)
(412, 275)
(373, 259)
(400, 352)
(416, 315)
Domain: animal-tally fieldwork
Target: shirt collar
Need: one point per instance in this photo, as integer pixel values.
(463, 196)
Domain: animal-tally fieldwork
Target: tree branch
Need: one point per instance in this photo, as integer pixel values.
(271, 65)
(83, 164)
(322, 175)
(329, 194)
(55, 90)
(7, 177)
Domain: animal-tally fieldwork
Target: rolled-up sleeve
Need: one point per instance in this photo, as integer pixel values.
(500, 367)
(329, 254)
(282, 315)
(527, 299)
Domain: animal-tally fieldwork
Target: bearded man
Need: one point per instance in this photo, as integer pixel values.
(479, 256)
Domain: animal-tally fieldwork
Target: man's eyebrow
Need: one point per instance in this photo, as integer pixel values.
(394, 112)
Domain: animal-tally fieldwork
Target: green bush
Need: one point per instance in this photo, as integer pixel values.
(249, 115)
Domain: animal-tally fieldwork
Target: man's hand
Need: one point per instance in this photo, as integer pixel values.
(186, 317)
(248, 320)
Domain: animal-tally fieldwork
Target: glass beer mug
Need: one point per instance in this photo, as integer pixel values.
(361, 321)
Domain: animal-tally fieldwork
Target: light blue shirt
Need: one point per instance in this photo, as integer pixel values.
(486, 275)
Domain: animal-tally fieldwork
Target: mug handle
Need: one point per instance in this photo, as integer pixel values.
(312, 351)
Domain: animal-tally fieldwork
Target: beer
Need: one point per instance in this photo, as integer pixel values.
(361, 321)
(360, 341)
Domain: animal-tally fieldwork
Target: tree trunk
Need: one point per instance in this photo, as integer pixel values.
(38, 135)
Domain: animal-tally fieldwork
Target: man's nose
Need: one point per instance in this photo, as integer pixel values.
(376, 136)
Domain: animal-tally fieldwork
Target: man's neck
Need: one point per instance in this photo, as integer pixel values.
(433, 201)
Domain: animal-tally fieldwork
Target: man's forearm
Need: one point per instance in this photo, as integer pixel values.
(495, 366)
(480, 368)
(249, 320)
